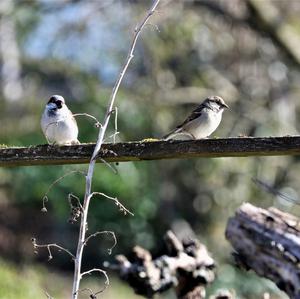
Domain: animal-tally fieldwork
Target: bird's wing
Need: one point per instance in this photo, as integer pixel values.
(195, 114)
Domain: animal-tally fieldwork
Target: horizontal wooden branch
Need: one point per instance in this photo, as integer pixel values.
(268, 242)
(151, 150)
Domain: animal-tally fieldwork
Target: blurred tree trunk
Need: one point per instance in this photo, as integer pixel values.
(10, 54)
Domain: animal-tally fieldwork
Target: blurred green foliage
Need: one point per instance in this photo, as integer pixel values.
(31, 281)
(76, 48)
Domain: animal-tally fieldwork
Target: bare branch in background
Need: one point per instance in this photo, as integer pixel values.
(267, 187)
(262, 22)
(283, 35)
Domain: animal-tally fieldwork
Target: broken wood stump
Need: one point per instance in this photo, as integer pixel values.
(187, 266)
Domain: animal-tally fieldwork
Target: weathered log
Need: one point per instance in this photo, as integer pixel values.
(268, 242)
(188, 267)
(150, 150)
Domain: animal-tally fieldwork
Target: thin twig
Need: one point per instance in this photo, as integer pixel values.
(48, 296)
(101, 134)
(110, 166)
(102, 233)
(89, 272)
(62, 177)
(49, 246)
(50, 124)
(115, 200)
(97, 122)
(154, 26)
(106, 283)
(112, 136)
(45, 197)
(115, 111)
(116, 125)
(92, 296)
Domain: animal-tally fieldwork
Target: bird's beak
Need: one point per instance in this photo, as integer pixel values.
(51, 106)
(225, 106)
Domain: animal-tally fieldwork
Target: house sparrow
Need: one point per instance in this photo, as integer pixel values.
(202, 122)
(58, 123)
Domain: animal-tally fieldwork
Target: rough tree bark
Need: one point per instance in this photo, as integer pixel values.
(268, 242)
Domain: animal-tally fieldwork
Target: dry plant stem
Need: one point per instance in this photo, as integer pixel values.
(115, 200)
(116, 125)
(93, 295)
(89, 177)
(48, 246)
(106, 283)
(111, 167)
(62, 177)
(45, 197)
(106, 232)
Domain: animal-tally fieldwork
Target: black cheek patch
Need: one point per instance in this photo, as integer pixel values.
(51, 100)
(58, 104)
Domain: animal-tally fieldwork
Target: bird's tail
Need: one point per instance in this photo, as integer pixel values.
(178, 134)
(170, 135)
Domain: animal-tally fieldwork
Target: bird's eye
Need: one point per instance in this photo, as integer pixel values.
(51, 100)
(58, 104)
